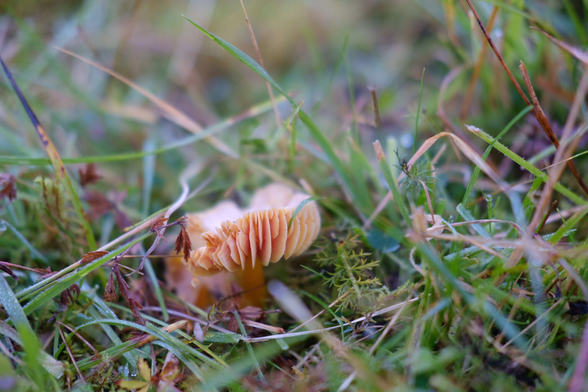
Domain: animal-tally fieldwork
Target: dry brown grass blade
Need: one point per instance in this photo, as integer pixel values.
(577, 53)
(167, 110)
(540, 115)
(542, 120)
(554, 174)
(462, 147)
(466, 150)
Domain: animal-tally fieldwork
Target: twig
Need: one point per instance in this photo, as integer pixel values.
(373, 93)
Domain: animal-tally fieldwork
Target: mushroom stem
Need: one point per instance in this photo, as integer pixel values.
(252, 283)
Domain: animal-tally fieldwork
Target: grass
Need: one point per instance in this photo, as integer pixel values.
(453, 245)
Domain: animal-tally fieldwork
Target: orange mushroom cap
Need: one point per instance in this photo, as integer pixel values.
(260, 235)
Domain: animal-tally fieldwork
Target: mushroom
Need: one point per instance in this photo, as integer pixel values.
(242, 242)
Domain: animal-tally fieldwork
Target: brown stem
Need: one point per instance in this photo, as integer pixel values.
(539, 115)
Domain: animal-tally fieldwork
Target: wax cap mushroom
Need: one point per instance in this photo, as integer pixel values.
(263, 234)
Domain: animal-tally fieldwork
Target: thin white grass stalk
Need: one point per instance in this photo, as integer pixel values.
(478, 240)
(389, 326)
(518, 228)
(321, 330)
(414, 264)
(321, 312)
(191, 318)
(265, 327)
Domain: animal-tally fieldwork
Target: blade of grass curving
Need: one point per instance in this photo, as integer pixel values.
(182, 120)
(34, 252)
(58, 165)
(315, 132)
(526, 165)
(101, 310)
(11, 305)
(300, 206)
(66, 281)
(477, 170)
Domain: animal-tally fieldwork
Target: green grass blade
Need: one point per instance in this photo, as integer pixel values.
(315, 132)
(60, 171)
(477, 170)
(11, 305)
(66, 281)
(526, 165)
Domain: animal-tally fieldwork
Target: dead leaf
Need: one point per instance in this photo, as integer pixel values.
(183, 243)
(577, 53)
(91, 256)
(125, 291)
(99, 205)
(110, 294)
(88, 175)
(9, 271)
(7, 187)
